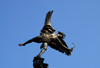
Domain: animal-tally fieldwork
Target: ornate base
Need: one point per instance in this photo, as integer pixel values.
(38, 63)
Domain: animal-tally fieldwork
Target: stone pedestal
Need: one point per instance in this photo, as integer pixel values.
(38, 63)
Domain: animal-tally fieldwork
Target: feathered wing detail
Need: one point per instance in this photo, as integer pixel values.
(61, 46)
(47, 25)
(48, 18)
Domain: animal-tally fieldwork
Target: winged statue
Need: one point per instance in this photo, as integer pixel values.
(48, 37)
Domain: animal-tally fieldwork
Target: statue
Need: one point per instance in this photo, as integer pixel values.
(48, 37)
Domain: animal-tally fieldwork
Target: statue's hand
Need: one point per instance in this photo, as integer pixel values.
(21, 44)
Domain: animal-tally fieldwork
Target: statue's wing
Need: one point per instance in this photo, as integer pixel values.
(61, 46)
(48, 18)
(47, 25)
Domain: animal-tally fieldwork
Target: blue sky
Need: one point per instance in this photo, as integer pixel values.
(23, 20)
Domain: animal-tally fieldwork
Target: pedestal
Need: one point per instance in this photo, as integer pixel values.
(38, 63)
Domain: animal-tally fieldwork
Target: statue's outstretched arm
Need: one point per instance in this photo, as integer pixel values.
(29, 41)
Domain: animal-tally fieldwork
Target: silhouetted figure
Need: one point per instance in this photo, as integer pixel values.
(48, 37)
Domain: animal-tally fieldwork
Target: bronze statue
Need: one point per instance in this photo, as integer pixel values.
(48, 37)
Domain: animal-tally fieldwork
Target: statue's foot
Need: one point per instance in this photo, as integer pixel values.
(21, 44)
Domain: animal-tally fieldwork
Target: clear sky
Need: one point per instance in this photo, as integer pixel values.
(23, 20)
